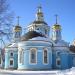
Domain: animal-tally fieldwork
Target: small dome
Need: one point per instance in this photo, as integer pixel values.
(17, 28)
(40, 14)
(30, 35)
(56, 27)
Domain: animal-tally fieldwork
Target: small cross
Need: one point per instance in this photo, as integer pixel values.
(56, 18)
(39, 8)
(18, 18)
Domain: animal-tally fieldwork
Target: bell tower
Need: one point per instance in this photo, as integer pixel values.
(17, 31)
(56, 31)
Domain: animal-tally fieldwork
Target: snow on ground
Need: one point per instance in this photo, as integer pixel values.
(56, 72)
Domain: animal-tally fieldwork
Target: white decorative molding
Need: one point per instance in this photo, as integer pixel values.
(30, 56)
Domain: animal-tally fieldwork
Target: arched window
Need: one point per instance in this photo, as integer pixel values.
(33, 56)
(11, 54)
(58, 63)
(45, 56)
(11, 62)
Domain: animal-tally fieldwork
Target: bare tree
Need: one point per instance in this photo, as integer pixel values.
(3, 6)
(6, 18)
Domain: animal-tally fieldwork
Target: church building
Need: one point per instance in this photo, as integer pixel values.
(36, 49)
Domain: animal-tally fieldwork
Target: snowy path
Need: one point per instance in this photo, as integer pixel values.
(16, 72)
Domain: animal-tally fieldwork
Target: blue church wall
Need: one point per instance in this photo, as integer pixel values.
(65, 60)
(54, 57)
(53, 60)
(73, 59)
(8, 58)
(39, 65)
(70, 60)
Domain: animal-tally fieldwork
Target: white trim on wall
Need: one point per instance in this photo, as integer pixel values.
(21, 55)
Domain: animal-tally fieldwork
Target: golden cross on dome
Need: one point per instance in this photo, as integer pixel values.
(56, 18)
(18, 18)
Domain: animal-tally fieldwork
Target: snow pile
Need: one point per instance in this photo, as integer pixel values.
(67, 72)
(41, 38)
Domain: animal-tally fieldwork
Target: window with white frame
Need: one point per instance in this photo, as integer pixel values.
(45, 56)
(33, 56)
(11, 54)
(11, 62)
(58, 62)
